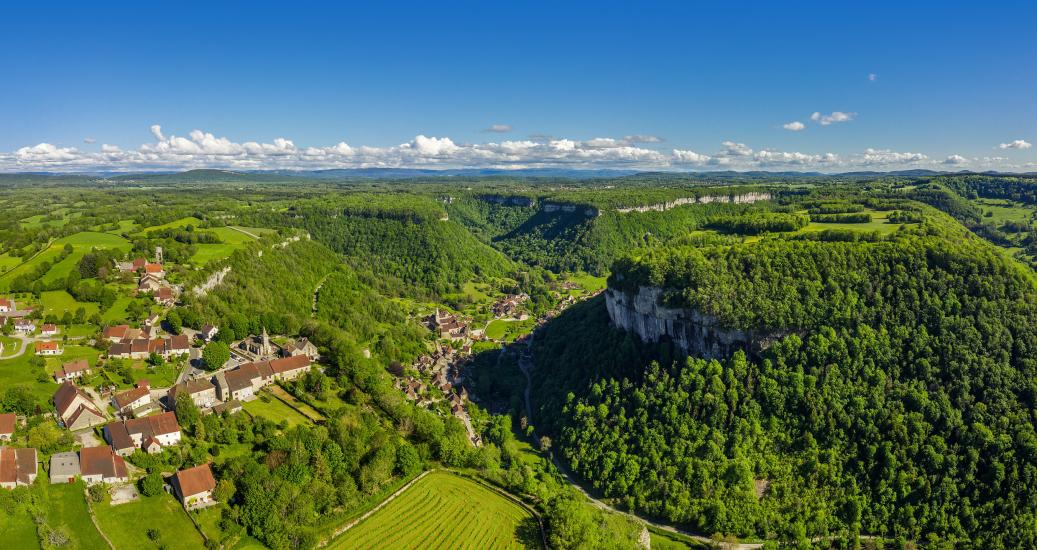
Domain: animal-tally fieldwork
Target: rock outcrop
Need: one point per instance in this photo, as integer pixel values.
(691, 331)
(744, 198)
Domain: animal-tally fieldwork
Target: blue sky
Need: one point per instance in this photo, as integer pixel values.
(281, 85)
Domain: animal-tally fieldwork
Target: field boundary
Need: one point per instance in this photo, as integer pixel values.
(341, 530)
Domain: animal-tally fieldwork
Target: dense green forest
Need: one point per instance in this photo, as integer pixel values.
(902, 405)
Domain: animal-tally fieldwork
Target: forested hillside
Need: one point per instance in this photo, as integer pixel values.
(902, 406)
(400, 236)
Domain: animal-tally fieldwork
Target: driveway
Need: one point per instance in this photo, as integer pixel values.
(87, 438)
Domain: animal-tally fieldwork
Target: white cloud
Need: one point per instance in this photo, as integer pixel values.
(687, 156)
(46, 153)
(499, 128)
(643, 138)
(201, 149)
(89, 140)
(872, 157)
(794, 126)
(733, 149)
(1017, 144)
(872, 77)
(832, 118)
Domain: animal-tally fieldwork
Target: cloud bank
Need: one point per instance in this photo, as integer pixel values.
(201, 149)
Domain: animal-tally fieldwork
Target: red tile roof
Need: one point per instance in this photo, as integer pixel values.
(193, 481)
(49, 327)
(153, 268)
(288, 364)
(46, 346)
(102, 460)
(118, 331)
(129, 396)
(16, 465)
(6, 302)
(7, 423)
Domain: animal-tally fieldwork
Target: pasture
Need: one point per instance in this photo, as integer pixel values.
(509, 330)
(444, 510)
(206, 253)
(66, 511)
(57, 302)
(272, 409)
(124, 527)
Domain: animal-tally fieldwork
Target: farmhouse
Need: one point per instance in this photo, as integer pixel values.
(164, 296)
(48, 329)
(49, 348)
(194, 487)
(151, 433)
(149, 283)
(24, 325)
(7, 422)
(64, 467)
(168, 347)
(130, 349)
(75, 409)
(72, 371)
(300, 346)
(131, 400)
(18, 467)
(116, 333)
(6, 305)
(102, 465)
(208, 332)
(201, 391)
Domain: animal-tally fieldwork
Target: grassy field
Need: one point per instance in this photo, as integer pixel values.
(509, 330)
(270, 408)
(879, 222)
(72, 353)
(182, 222)
(59, 301)
(444, 510)
(19, 372)
(307, 410)
(206, 253)
(81, 243)
(8, 262)
(17, 529)
(66, 511)
(231, 236)
(124, 526)
(118, 310)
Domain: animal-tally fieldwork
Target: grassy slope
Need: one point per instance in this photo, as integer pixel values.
(447, 511)
(125, 527)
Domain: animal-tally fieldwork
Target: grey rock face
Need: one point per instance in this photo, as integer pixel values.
(694, 333)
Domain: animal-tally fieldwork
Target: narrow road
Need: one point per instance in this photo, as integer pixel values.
(23, 344)
(240, 230)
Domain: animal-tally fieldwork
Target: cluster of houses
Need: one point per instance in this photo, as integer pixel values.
(128, 343)
(243, 382)
(262, 348)
(152, 278)
(509, 307)
(447, 326)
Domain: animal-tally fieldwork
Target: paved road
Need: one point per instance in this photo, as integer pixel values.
(23, 344)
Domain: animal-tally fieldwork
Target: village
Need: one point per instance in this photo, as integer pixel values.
(109, 424)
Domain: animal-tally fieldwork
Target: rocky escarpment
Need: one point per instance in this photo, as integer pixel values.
(744, 198)
(691, 331)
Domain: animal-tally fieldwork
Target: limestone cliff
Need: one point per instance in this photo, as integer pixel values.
(691, 331)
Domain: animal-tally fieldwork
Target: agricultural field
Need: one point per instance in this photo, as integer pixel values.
(123, 526)
(8, 262)
(211, 252)
(118, 310)
(1002, 211)
(57, 302)
(66, 511)
(271, 408)
(509, 330)
(879, 222)
(81, 243)
(307, 410)
(175, 224)
(17, 529)
(19, 371)
(445, 511)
